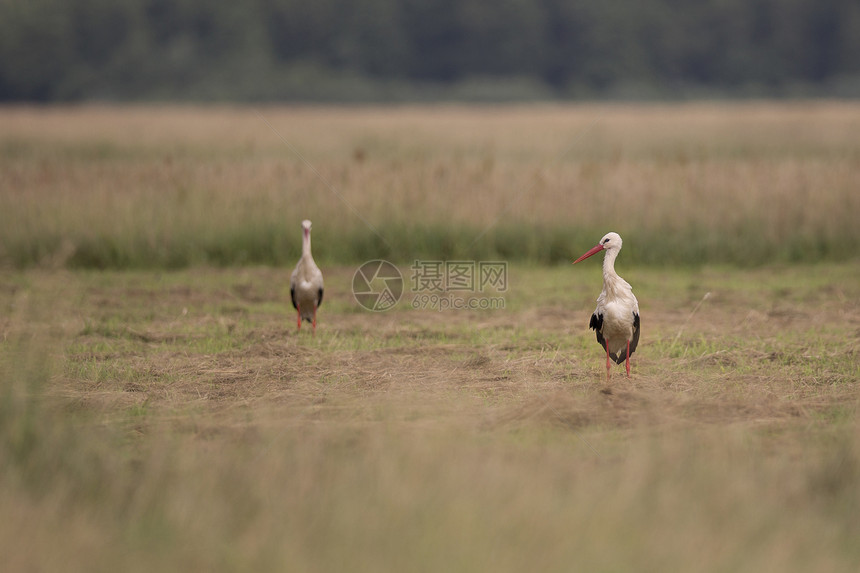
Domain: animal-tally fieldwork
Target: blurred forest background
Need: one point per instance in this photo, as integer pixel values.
(426, 50)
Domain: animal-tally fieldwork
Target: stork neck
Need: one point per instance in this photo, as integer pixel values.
(609, 265)
(306, 244)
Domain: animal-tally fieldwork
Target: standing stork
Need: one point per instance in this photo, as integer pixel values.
(306, 282)
(616, 318)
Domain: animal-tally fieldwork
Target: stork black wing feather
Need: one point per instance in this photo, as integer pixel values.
(293, 297)
(635, 341)
(596, 323)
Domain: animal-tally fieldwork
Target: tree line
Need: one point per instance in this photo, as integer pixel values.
(70, 50)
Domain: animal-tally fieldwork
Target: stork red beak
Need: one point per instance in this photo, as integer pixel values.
(593, 251)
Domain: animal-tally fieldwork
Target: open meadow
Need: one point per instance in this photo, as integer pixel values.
(159, 410)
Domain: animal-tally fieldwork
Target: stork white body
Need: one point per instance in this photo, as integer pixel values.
(616, 318)
(306, 282)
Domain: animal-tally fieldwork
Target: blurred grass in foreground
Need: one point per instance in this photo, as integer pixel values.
(150, 187)
(138, 437)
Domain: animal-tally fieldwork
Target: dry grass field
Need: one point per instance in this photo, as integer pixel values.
(104, 187)
(159, 411)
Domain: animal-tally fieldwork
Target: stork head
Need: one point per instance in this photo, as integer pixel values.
(306, 227)
(610, 241)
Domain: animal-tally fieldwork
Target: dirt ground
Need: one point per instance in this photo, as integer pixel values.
(221, 339)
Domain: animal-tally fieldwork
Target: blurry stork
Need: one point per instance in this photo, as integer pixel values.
(306, 282)
(616, 319)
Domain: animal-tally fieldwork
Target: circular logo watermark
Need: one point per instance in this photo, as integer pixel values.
(377, 285)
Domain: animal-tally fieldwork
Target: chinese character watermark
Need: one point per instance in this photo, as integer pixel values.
(493, 274)
(460, 275)
(428, 276)
(435, 284)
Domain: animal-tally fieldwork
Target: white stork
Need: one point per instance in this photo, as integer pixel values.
(306, 282)
(616, 318)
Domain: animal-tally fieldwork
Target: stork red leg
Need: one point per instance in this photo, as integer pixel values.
(627, 363)
(315, 320)
(299, 319)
